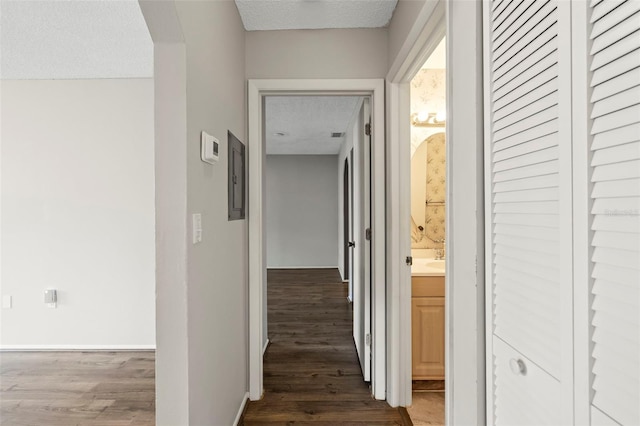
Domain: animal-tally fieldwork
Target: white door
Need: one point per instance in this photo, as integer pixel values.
(528, 199)
(362, 287)
(615, 211)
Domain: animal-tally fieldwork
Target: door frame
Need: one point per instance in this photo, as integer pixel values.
(464, 306)
(257, 89)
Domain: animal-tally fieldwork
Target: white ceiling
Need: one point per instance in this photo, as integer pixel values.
(314, 14)
(74, 39)
(307, 122)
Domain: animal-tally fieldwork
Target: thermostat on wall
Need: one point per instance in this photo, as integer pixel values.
(209, 147)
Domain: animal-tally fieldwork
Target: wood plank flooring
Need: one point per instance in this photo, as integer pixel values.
(77, 388)
(311, 370)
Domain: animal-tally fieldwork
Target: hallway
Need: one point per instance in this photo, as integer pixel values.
(311, 370)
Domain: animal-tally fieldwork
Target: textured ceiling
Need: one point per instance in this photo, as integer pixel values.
(74, 39)
(314, 14)
(307, 123)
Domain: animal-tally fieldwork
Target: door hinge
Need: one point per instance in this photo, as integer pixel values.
(367, 339)
(409, 260)
(367, 234)
(367, 129)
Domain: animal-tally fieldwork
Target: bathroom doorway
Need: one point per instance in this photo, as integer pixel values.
(428, 239)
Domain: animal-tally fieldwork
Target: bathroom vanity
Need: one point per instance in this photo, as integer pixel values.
(427, 319)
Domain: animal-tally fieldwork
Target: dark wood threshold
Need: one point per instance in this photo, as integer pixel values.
(406, 419)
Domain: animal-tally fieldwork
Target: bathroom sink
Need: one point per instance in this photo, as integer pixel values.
(435, 263)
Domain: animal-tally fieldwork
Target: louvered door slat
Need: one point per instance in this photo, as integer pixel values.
(615, 173)
(626, 10)
(502, 17)
(616, 102)
(530, 55)
(527, 74)
(612, 35)
(532, 39)
(626, 170)
(546, 91)
(617, 136)
(516, 64)
(544, 234)
(516, 32)
(619, 66)
(622, 47)
(604, 8)
(538, 155)
(540, 207)
(526, 86)
(537, 119)
(539, 137)
(515, 115)
(616, 85)
(538, 169)
(622, 118)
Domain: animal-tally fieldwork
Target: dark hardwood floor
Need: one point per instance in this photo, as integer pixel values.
(77, 388)
(311, 370)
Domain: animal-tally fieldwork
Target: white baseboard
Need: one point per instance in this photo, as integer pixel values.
(64, 348)
(264, 348)
(302, 267)
(241, 410)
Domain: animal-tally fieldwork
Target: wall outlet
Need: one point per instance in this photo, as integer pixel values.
(51, 298)
(7, 302)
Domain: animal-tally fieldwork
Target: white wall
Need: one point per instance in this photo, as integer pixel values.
(217, 267)
(78, 213)
(331, 53)
(302, 211)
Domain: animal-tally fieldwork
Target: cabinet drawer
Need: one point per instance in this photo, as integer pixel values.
(524, 393)
(427, 286)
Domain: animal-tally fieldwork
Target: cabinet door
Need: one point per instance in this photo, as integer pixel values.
(427, 322)
(528, 197)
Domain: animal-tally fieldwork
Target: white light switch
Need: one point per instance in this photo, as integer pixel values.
(196, 222)
(7, 302)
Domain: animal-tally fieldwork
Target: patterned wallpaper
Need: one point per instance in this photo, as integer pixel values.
(428, 93)
(436, 189)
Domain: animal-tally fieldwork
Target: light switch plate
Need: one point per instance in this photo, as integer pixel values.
(51, 298)
(7, 302)
(196, 223)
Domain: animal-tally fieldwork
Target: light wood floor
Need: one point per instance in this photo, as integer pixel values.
(77, 388)
(311, 370)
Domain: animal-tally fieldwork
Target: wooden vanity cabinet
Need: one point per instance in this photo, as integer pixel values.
(427, 322)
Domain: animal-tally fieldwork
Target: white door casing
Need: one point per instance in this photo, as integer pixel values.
(257, 89)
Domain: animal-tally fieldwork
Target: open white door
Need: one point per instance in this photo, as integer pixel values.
(362, 287)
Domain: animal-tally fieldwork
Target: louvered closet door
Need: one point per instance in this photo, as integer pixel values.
(615, 175)
(527, 153)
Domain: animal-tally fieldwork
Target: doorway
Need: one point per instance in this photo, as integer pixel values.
(464, 270)
(428, 229)
(258, 90)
